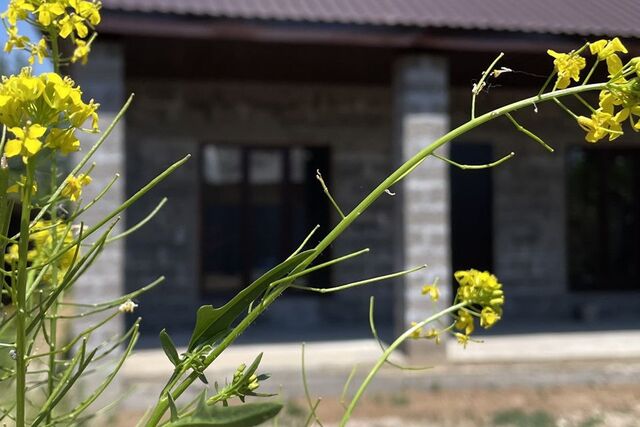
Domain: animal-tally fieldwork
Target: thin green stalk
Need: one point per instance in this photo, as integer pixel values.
(140, 224)
(163, 404)
(480, 85)
(53, 323)
(328, 193)
(566, 109)
(312, 408)
(21, 303)
(374, 332)
(387, 353)
(359, 283)
(584, 102)
(475, 167)
(530, 134)
(593, 68)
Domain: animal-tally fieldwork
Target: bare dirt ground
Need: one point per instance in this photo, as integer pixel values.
(576, 406)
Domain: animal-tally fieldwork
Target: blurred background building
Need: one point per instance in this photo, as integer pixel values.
(264, 93)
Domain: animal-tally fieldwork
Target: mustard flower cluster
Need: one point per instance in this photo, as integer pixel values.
(619, 102)
(69, 19)
(43, 111)
(45, 241)
(483, 295)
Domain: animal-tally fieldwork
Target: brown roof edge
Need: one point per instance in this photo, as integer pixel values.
(164, 26)
(569, 17)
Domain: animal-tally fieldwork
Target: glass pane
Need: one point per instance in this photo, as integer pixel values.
(222, 165)
(222, 219)
(266, 170)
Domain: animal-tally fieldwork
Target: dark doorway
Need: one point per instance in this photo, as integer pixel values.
(603, 219)
(257, 206)
(471, 208)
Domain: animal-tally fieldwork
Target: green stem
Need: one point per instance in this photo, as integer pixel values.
(480, 85)
(387, 353)
(53, 322)
(21, 303)
(593, 68)
(163, 404)
(55, 51)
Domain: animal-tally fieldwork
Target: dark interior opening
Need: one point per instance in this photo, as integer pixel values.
(471, 208)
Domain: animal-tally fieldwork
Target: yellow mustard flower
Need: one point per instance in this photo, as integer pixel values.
(15, 40)
(607, 50)
(47, 238)
(18, 10)
(599, 125)
(63, 140)
(81, 52)
(73, 186)
(465, 322)
(488, 317)
(433, 334)
(416, 333)
(15, 188)
(462, 339)
(88, 10)
(48, 12)
(26, 142)
(40, 51)
(73, 23)
(568, 66)
(431, 290)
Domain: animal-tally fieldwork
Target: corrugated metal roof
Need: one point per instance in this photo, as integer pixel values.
(579, 17)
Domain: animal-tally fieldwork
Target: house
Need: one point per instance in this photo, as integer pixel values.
(264, 93)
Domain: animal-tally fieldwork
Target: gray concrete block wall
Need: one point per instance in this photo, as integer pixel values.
(421, 102)
(171, 118)
(103, 80)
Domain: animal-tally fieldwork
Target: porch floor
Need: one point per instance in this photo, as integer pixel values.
(529, 360)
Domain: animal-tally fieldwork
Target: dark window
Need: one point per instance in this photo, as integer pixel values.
(604, 219)
(258, 204)
(471, 208)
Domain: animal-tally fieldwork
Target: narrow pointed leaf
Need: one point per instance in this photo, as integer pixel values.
(247, 415)
(169, 348)
(172, 407)
(212, 323)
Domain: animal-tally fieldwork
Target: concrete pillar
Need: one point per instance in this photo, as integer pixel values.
(421, 96)
(103, 80)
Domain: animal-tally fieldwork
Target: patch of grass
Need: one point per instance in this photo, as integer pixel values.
(399, 399)
(592, 421)
(293, 409)
(519, 418)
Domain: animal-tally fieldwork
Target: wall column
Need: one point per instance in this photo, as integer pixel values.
(103, 79)
(421, 97)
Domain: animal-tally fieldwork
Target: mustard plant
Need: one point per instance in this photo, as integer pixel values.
(42, 116)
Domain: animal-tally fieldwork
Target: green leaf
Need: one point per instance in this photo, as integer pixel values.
(169, 347)
(172, 407)
(212, 323)
(247, 415)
